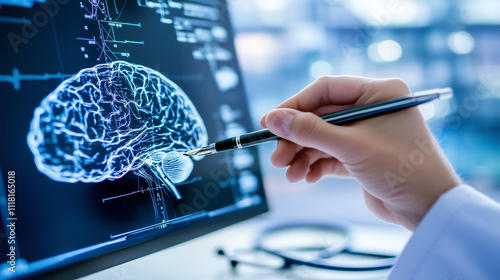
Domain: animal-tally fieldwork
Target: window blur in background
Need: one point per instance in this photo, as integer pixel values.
(283, 45)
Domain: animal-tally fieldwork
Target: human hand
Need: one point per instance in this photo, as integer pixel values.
(394, 157)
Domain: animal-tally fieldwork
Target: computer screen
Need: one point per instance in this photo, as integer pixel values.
(99, 100)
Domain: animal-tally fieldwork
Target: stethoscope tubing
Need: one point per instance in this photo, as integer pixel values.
(386, 262)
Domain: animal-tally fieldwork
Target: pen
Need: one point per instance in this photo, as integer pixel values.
(338, 118)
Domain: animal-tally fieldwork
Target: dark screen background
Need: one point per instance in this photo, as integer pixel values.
(56, 217)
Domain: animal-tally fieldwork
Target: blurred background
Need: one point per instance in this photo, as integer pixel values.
(284, 45)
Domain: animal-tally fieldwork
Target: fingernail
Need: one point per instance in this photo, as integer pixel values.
(279, 120)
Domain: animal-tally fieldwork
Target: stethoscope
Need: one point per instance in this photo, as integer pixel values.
(326, 242)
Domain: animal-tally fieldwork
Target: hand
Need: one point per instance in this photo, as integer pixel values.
(394, 157)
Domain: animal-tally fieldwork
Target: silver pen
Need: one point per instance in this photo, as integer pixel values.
(338, 118)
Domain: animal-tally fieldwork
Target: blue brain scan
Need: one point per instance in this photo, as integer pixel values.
(100, 100)
(115, 118)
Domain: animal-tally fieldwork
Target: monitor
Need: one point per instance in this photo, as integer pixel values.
(99, 101)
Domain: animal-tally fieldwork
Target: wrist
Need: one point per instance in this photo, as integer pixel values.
(421, 174)
(426, 193)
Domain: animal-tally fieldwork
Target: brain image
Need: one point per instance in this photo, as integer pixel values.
(114, 118)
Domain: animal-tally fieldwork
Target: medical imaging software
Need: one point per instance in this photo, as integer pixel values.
(99, 100)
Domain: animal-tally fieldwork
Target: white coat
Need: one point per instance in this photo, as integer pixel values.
(459, 238)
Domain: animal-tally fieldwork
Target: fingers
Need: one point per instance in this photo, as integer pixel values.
(327, 90)
(328, 109)
(312, 165)
(323, 110)
(329, 94)
(308, 130)
(376, 90)
(324, 91)
(300, 165)
(284, 154)
(324, 167)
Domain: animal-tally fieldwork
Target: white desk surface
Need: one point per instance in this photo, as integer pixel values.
(329, 200)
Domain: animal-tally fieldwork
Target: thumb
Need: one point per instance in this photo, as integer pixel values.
(306, 129)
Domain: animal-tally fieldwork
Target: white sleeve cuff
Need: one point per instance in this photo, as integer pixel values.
(459, 238)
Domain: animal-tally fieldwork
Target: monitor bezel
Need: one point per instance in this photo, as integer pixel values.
(76, 269)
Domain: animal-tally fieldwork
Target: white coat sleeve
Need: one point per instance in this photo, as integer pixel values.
(459, 238)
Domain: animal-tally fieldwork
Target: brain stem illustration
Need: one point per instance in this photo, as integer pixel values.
(114, 118)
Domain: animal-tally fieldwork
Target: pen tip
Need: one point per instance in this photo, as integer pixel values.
(203, 151)
(192, 152)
